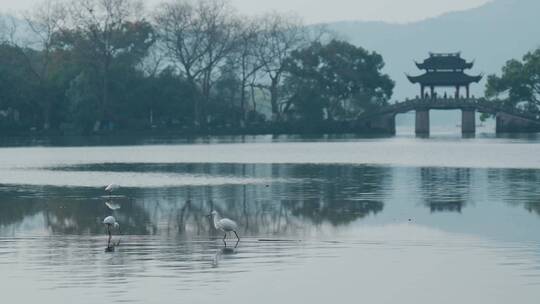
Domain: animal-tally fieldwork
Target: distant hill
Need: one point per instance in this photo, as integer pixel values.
(490, 34)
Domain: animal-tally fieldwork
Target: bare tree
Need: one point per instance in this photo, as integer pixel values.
(100, 22)
(198, 36)
(281, 35)
(154, 62)
(249, 40)
(45, 21)
(9, 30)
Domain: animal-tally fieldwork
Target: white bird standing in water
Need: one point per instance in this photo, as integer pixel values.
(110, 223)
(226, 225)
(110, 188)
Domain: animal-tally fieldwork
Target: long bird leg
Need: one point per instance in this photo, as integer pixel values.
(224, 241)
(237, 235)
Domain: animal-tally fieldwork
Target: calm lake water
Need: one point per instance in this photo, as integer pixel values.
(322, 219)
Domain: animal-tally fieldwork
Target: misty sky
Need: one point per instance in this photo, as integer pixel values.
(314, 11)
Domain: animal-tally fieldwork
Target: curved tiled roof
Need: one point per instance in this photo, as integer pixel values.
(444, 79)
(451, 61)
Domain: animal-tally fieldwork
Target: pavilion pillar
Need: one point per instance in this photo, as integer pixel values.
(457, 92)
(432, 92)
(468, 121)
(422, 89)
(422, 121)
(468, 91)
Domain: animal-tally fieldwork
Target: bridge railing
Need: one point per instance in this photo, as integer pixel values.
(480, 104)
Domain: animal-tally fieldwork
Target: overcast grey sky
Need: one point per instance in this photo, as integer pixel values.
(314, 11)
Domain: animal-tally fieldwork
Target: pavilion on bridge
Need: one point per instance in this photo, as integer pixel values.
(444, 70)
(447, 70)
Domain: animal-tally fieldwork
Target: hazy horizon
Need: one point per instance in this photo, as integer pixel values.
(322, 12)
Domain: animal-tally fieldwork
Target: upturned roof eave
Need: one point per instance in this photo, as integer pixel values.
(428, 80)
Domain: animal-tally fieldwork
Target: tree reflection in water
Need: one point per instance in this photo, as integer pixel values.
(289, 200)
(66, 211)
(298, 197)
(520, 187)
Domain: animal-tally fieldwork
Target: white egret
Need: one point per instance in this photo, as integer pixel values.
(110, 223)
(111, 187)
(224, 224)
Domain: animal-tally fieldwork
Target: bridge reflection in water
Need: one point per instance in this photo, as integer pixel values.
(508, 120)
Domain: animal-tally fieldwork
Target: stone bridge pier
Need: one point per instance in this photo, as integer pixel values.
(468, 121)
(422, 122)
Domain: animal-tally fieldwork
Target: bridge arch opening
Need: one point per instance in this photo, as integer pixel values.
(444, 123)
(440, 122)
(405, 123)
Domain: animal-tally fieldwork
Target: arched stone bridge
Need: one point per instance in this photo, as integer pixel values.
(508, 119)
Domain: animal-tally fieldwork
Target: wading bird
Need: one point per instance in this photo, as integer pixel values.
(226, 225)
(110, 188)
(110, 223)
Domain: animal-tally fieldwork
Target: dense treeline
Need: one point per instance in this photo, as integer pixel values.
(84, 66)
(519, 84)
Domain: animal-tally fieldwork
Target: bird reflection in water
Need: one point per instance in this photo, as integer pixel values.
(225, 251)
(112, 205)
